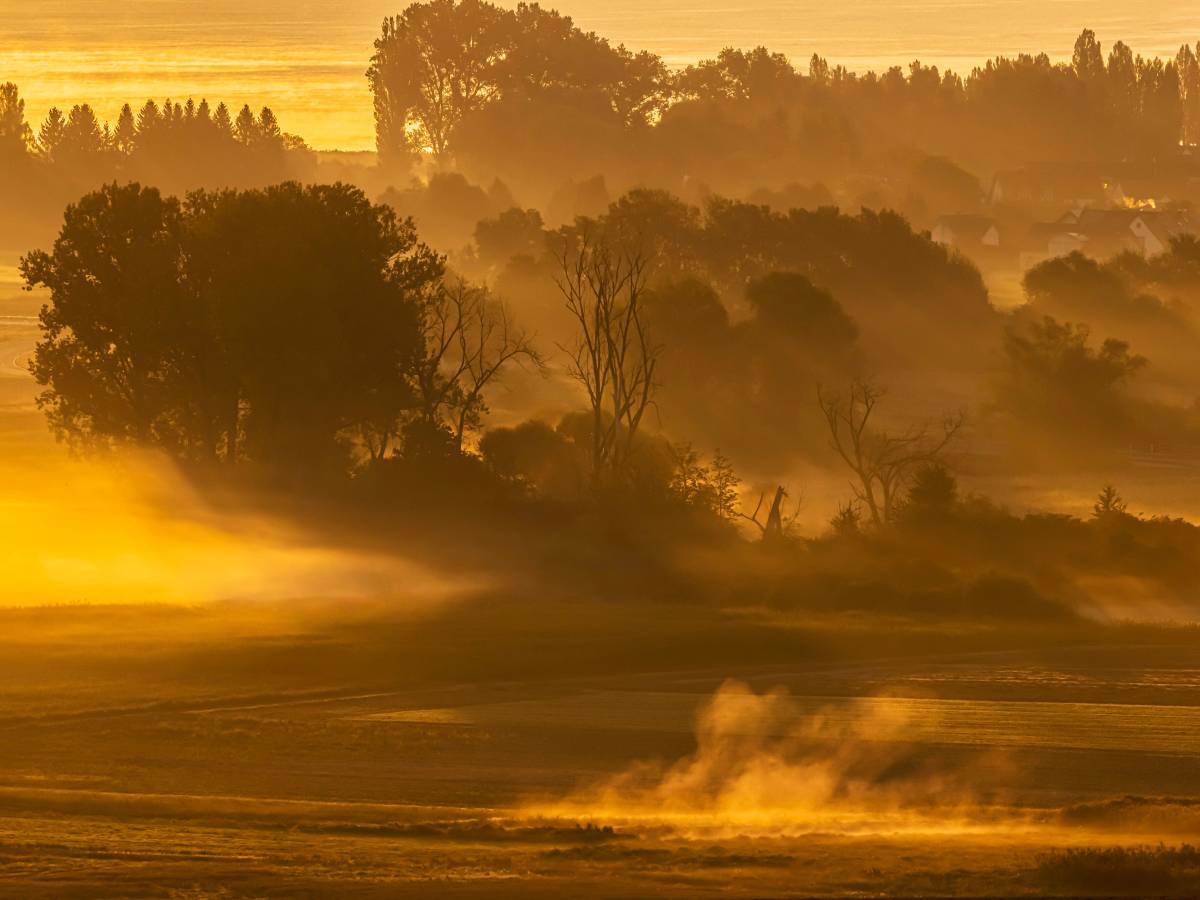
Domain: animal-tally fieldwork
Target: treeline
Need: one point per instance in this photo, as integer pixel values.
(1101, 347)
(238, 344)
(304, 336)
(754, 307)
(525, 92)
(176, 145)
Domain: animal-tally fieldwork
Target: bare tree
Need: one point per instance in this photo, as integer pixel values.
(613, 356)
(469, 339)
(882, 462)
(778, 521)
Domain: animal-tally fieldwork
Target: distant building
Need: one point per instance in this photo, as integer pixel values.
(1102, 233)
(966, 232)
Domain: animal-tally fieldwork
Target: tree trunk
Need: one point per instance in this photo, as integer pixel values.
(774, 528)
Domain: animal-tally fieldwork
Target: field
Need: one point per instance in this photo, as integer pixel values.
(253, 751)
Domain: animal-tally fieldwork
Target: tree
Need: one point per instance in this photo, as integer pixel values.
(110, 354)
(778, 522)
(1087, 59)
(268, 129)
(1080, 288)
(469, 340)
(642, 90)
(548, 56)
(614, 357)
(221, 120)
(433, 64)
(246, 128)
(50, 136)
(316, 294)
(1109, 505)
(256, 326)
(126, 131)
(81, 137)
(15, 134)
(443, 62)
(148, 120)
(757, 75)
(882, 462)
(1056, 380)
(1188, 67)
(933, 492)
(542, 458)
(710, 488)
(818, 69)
(515, 232)
(1122, 83)
(788, 305)
(847, 521)
(658, 225)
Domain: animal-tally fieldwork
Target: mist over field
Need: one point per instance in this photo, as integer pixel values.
(614, 450)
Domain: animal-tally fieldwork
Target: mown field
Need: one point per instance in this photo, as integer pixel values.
(262, 751)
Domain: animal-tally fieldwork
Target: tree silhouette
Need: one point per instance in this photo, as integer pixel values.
(110, 356)
(778, 521)
(438, 63)
(614, 357)
(469, 339)
(433, 64)
(15, 134)
(1109, 505)
(265, 326)
(1055, 379)
(882, 462)
(50, 135)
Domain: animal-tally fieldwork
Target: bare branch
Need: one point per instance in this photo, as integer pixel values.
(613, 357)
(881, 462)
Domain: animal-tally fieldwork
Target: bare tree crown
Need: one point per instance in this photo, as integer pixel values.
(613, 356)
(882, 462)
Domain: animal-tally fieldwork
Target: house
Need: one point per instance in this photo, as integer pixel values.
(966, 232)
(1101, 233)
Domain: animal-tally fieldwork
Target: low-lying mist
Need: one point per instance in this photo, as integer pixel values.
(764, 766)
(768, 765)
(130, 528)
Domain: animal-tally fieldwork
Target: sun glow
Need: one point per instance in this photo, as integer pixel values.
(132, 530)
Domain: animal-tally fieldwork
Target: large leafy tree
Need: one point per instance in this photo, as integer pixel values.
(1055, 379)
(270, 326)
(312, 293)
(433, 64)
(442, 61)
(110, 356)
